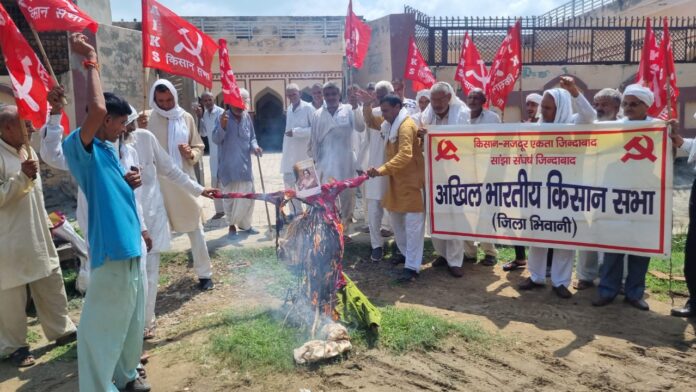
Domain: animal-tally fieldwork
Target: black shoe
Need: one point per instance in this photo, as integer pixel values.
(137, 385)
(440, 262)
(470, 260)
(529, 284)
(398, 259)
(602, 301)
(489, 261)
(376, 255)
(407, 275)
(562, 292)
(205, 284)
(638, 303)
(689, 310)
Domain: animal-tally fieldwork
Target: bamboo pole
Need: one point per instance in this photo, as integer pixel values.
(145, 90)
(49, 67)
(27, 146)
(263, 189)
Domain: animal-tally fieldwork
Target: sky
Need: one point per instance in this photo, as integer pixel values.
(370, 9)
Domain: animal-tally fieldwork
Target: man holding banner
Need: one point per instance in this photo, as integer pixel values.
(446, 109)
(557, 107)
(475, 100)
(636, 101)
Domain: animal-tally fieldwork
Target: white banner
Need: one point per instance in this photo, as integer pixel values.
(602, 187)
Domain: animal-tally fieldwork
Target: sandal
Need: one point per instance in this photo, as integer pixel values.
(513, 265)
(22, 357)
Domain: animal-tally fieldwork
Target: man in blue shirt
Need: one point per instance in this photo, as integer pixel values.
(112, 320)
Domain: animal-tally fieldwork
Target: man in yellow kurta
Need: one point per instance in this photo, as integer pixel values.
(176, 132)
(29, 256)
(406, 170)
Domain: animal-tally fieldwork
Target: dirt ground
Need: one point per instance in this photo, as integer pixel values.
(547, 344)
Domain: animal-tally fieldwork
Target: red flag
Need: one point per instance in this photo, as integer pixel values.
(174, 45)
(649, 56)
(670, 75)
(357, 35)
(65, 122)
(56, 15)
(30, 81)
(471, 71)
(417, 69)
(506, 67)
(230, 89)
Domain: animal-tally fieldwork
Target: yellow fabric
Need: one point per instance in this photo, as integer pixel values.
(406, 170)
(28, 250)
(183, 210)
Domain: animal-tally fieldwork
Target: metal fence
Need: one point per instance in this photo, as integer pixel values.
(546, 41)
(254, 27)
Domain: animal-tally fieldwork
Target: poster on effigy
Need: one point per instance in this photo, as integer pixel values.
(604, 187)
(306, 178)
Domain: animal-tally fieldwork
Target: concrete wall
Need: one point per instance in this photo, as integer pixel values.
(99, 10)
(646, 8)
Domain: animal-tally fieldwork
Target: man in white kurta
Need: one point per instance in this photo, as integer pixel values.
(155, 162)
(296, 138)
(373, 155)
(330, 144)
(210, 115)
(446, 109)
(175, 130)
(29, 256)
(557, 107)
(479, 115)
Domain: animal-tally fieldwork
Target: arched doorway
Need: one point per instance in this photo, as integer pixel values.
(269, 121)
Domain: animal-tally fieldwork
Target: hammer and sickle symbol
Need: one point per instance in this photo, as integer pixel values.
(189, 47)
(446, 150)
(642, 151)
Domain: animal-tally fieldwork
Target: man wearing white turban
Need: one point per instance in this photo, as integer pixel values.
(636, 102)
(175, 130)
(689, 308)
(557, 107)
(532, 103)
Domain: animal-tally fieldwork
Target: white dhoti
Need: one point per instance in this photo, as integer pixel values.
(239, 211)
(408, 232)
(588, 265)
(199, 251)
(347, 200)
(375, 214)
(451, 250)
(470, 249)
(561, 267)
(153, 262)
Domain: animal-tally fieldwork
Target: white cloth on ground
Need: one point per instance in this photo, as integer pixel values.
(408, 233)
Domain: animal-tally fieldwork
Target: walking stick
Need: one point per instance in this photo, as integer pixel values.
(263, 189)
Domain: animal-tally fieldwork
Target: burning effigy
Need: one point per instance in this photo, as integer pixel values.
(312, 246)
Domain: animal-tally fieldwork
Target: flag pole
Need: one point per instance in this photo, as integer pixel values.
(23, 127)
(145, 75)
(45, 58)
